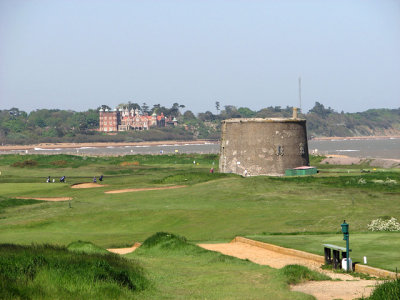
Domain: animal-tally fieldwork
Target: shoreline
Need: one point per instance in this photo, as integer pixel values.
(368, 137)
(101, 144)
(172, 142)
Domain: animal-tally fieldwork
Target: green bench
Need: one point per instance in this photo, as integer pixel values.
(334, 255)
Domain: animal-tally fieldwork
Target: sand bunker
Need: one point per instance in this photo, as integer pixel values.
(46, 198)
(145, 189)
(87, 185)
(125, 250)
(348, 288)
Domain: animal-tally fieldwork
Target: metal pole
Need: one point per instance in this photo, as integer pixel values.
(300, 92)
(348, 252)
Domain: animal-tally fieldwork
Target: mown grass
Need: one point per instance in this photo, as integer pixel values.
(7, 202)
(49, 272)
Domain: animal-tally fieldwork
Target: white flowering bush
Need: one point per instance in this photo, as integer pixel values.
(388, 181)
(362, 181)
(384, 225)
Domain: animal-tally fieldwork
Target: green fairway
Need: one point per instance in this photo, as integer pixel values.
(212, 207)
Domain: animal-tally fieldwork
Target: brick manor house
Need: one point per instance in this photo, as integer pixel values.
(125, 120)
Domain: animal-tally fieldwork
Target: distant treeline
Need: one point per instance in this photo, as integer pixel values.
(54, 125)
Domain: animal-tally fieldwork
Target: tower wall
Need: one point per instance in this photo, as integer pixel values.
(263, 146)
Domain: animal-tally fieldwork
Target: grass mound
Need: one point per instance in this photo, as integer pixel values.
(48, 272)
(86, 247)
(165, 240)
(164, 243)
(387, 290)
(296, 274)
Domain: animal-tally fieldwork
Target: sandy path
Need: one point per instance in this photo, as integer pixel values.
(145, 189)
(46, 198)
(124, 250)
(87, 185)
(348, 288)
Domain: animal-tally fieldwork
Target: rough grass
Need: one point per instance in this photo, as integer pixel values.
(86, 247)
(48, 272)
(388, 290)
(296, 274)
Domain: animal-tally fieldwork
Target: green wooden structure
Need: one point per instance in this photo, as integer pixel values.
(306, 170)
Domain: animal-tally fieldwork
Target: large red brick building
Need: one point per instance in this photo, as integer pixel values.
(125, 120)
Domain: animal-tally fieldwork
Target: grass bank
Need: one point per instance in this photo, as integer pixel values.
(49, 272)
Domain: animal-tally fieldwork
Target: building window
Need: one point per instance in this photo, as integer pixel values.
(301, 149)
(279, 150)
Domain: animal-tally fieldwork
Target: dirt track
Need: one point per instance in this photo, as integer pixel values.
(145, 189)
(46, 198)
(348, 288)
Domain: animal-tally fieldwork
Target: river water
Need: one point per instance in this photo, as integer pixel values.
(373, 148)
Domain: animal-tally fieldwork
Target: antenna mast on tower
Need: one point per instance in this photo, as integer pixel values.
(300, 93)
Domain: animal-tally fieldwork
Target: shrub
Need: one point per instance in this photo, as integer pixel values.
(25, 163)
(59, 163)
(384, 225)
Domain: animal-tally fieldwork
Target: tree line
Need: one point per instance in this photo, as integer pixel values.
(55, 125)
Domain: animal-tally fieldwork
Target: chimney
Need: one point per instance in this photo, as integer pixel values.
(294, 112)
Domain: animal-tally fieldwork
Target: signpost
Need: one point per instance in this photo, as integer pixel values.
(345, 230)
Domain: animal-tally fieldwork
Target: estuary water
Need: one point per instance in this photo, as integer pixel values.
(364, 148)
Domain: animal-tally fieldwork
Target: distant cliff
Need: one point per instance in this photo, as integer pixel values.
(373, 122)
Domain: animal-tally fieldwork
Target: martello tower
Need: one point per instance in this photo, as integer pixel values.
(263, 146)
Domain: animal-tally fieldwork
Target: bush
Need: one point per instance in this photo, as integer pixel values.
(25, 163)
(384, 225)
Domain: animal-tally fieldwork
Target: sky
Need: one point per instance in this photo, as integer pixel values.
(74, 54)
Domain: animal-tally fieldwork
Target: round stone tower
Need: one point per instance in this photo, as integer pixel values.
(258, 146)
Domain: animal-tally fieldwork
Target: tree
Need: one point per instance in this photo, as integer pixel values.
(217, 106)
(207, 116)
(104, 107)
(188, 115)
(145, 108)
(320, 110)
(246, 112)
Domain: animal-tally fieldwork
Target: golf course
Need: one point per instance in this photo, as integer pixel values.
(54, 235)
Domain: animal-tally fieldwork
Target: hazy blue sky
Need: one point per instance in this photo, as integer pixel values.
(81, 54)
